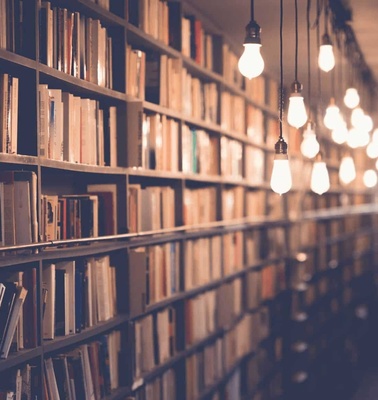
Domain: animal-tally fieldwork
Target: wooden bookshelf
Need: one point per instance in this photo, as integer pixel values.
(228, 249)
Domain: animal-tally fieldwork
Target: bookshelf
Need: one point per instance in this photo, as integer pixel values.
(150, 243)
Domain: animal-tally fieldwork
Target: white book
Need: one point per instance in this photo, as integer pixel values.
(51, 380)
(48, 283)
(89, 389)
(43, 127)
(14, 116)
(22, 212)
(56, 139)
(69, 267)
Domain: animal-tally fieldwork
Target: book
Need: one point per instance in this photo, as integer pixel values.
(18, 302)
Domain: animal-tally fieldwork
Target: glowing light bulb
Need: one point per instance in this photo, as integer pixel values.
(281, 181)
(357, 138)
(296, 114)
(366, 123)
(309, 146)
(372, 149)
(356, 116)
(340, 133)
(326, 59)
(351, 98)
(375, 135)
(376, 164)
(320, 178)
(370, 178)
(347, 171)
(332, 116)
(251, 63)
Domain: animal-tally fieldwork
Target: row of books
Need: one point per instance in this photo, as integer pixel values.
(75, 129)
(151, 208)
(200, 205)
(231, 158)
(233, 112)
(200, 151)
(18, 207)
(158, 268)
(77, 294)
(11, 31)
(153, 17)
(233, 252)
(202, 261)
(12, 298)
(255, 203)
(163, 80)
(255, 167)
(233, 203)
(75, 44)
(88, 371)
(77, 216)
(161, 388)
(8, 113)
(231, 72)
(255, 124)
(20, 383)
(155, 341)
(198, 44)
(200, 99)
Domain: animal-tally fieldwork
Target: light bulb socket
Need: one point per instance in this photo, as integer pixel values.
(280, 148)
(326, 40)
(296, 88)
(252, 33)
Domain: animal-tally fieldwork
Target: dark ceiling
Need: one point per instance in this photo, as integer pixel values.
(231, 16)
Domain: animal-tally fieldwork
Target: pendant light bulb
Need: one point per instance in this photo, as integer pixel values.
(366, 123)
(372, 149)
(356, 116)
(332, 116)
(320, 177)
(281, 181)
(296, 114)
(358, 138)
(251, 63)
(375, 135)
(309, 146)
(370, 178)
(326, 59)
(347, 171)
(351, 98)
(340, 133)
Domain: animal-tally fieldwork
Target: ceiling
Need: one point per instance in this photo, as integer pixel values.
(231, 16)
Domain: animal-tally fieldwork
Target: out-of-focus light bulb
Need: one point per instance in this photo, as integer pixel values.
(281, 181)
(372, 149)
(347, 171)
(309, 146)
(251, 63)
(326, 59)
(296, 114)
(320, 178)
(340, 133)
(375, 135)
(332, 116)
(356, 116)
(376, 164)
(370, 178)
(366, 123)
(357, 138)
(351, 98)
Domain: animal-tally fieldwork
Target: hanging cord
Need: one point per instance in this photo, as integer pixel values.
(252, 11)
(281, 66)
(309, 58)
(326, 16)
(318, 10)
(296, 39)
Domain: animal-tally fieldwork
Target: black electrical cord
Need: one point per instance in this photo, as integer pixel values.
(309, 56)
(296, 39)
(281, 66)
(252, 11)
